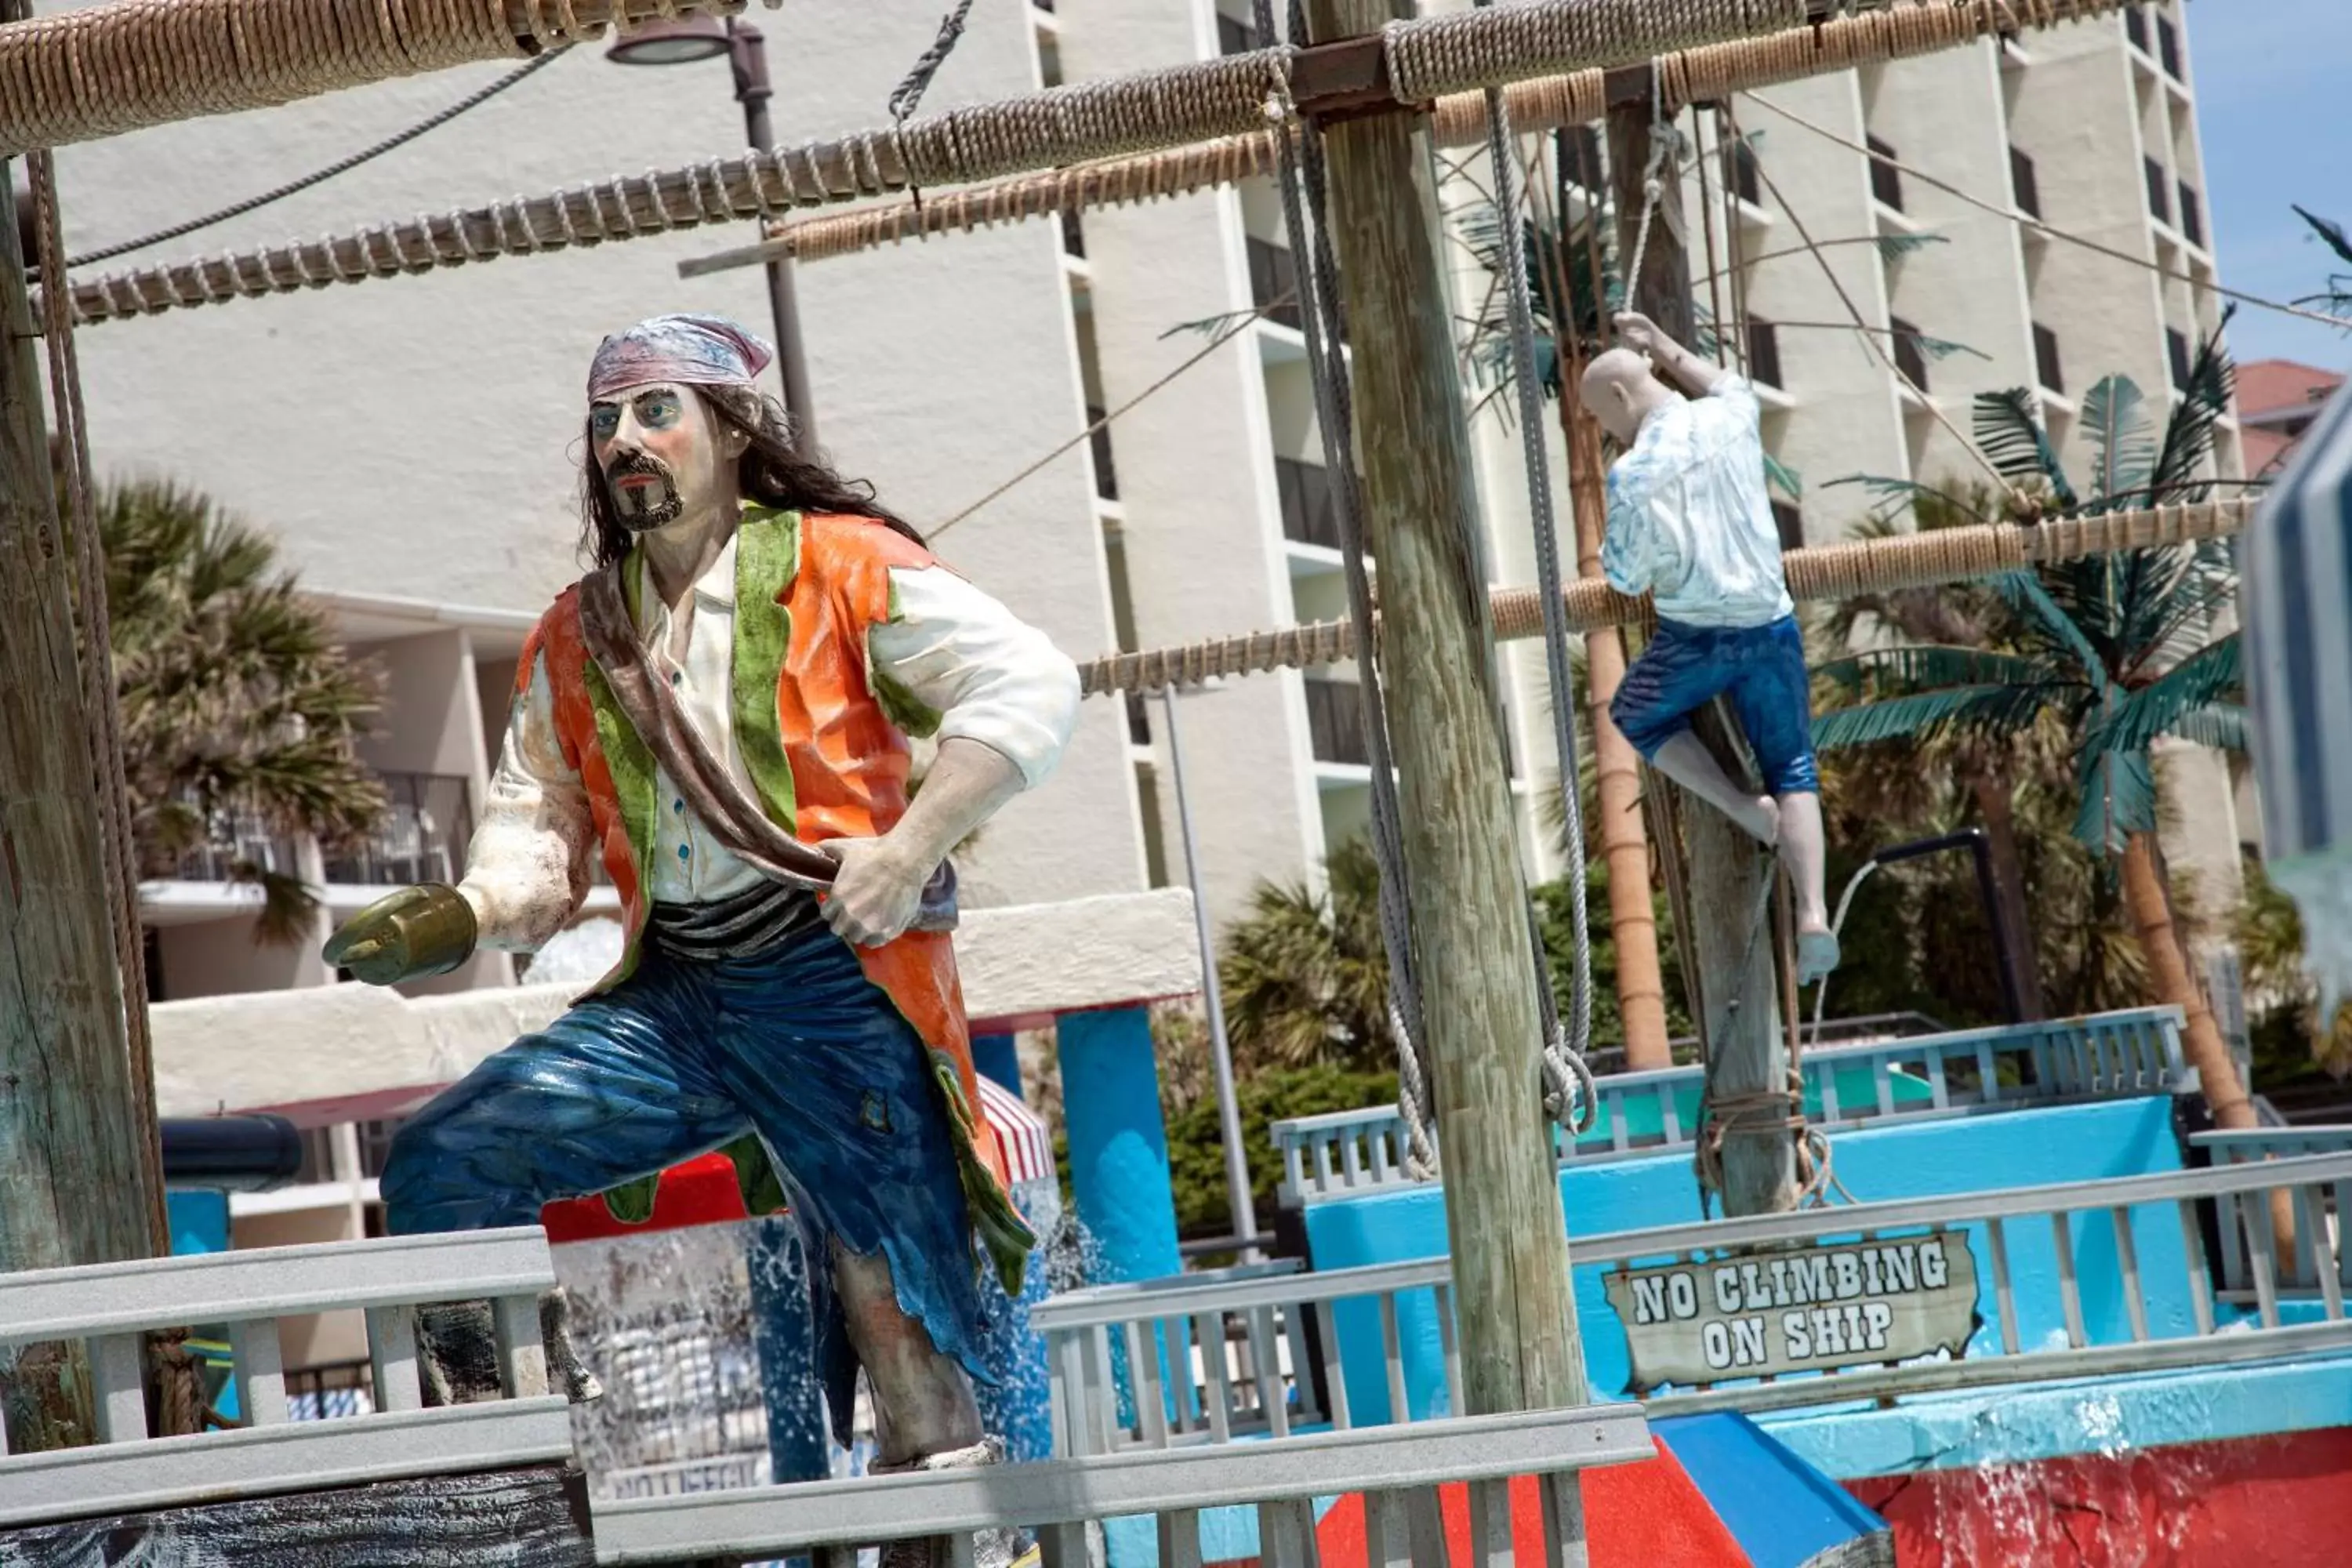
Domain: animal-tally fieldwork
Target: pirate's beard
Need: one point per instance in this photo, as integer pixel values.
(644, 508)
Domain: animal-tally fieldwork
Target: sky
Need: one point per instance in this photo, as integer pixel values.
(2276, 129)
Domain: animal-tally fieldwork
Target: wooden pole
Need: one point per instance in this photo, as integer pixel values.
(1728, 872)
(74, 1179)
(1478, 981)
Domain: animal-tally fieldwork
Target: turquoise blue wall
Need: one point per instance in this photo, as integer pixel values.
(1924, 1159)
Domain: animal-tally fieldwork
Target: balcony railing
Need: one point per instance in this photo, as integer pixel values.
(1309, 511)
(428, 826)
(1105, 475)
(2047, 365)
(2159, 190)
(1885, 179)
(235, 837)
(1763, 352)
(1910, 358)
(1335, 722)
(2024, 187)
(1273, 275)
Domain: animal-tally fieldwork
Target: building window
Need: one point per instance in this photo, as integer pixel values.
(153, 942)
(2159, 206)
(2167, 47)
(1335, 722)
(1234, 37)
(1105, 477)
(1309, 510)
(1273, 277)
(1043, 4)
(2175, 345)
(1909, 358)
(1074, 233)
(2193, 216)
(1763, 351)
(1886, 180)
(1741, 176)
(2135, 27)
(2023, 188)
(1791, 523)
(2045, 360)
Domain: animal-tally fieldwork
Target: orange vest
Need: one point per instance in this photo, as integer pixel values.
(828, 758)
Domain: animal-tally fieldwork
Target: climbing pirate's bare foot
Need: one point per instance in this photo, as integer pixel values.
(1817, 952)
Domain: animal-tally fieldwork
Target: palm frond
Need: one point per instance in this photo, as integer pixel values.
(1790, 483)
(2113, 418)
(2331, 233)
(2220, 725)
(2189, 433)
(2194, 685)
(2119, 799)
(1889, 488)
(2026, 594)
(1894, 247)
(1901, 671)
(2010, 432)
(1990, 711)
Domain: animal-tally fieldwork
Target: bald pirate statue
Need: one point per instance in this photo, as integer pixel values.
(721, 710)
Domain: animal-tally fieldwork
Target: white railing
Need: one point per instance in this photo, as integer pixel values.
(2107, 1056)
(110, 1308)
(2317, 1220)
(1398, 1469)
(2087, 1278)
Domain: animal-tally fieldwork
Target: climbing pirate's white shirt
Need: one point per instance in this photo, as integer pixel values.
(991, 677)
(1689, 520)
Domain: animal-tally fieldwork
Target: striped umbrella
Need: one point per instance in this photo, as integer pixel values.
(2296, 606)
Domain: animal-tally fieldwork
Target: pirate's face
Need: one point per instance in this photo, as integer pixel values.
(663, 454)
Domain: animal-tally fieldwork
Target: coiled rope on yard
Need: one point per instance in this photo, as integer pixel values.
(1118, 140)
(1820, 572)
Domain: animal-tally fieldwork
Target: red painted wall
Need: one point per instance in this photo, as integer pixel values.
(2276, 1501)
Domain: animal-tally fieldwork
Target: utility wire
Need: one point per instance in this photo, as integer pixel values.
(2037, 225)
(472, 100)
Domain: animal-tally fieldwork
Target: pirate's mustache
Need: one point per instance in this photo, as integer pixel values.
(629, 463)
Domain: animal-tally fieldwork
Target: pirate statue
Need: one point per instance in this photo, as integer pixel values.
(721, 710)
(1690, 523)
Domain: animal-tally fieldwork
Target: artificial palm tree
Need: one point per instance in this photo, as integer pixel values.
(236, 701)
(2110, 652)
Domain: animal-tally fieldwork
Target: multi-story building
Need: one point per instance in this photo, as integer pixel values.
(414, 443)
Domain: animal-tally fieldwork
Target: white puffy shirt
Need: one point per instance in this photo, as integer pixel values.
(991, 677)
(1689, 519)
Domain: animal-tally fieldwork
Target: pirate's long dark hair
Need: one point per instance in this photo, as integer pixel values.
(771, 474)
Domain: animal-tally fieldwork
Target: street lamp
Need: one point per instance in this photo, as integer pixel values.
(1229, 1112)
(684, 40)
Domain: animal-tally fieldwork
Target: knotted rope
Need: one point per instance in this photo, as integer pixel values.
(1818, 572)
(1093, 131)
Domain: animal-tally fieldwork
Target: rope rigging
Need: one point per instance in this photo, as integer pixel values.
(401, 139)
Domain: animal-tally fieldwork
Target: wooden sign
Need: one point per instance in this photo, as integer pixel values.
(1765, 1311)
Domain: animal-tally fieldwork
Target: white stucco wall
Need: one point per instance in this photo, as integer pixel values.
(418, 437)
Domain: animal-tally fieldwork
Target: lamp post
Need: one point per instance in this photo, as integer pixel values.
(682, 41)
(1229, 1111)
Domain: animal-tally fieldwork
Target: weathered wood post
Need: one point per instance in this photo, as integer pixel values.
(75, 1180)
(1728, 872)
(1478, 977)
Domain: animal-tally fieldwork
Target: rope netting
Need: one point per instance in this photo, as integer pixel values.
(1108, 143)
(1820, 572)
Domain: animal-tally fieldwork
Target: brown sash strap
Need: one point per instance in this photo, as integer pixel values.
(710, 791)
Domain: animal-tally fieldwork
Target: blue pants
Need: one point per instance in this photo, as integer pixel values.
(794, 1044)
(1760, 668)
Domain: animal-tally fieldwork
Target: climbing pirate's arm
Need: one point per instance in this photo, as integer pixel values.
(528, 868)
(1675, 364)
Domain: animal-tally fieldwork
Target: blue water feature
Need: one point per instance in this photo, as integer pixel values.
(1118, 1143)
(1921, 1158)
(1784, 1512)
